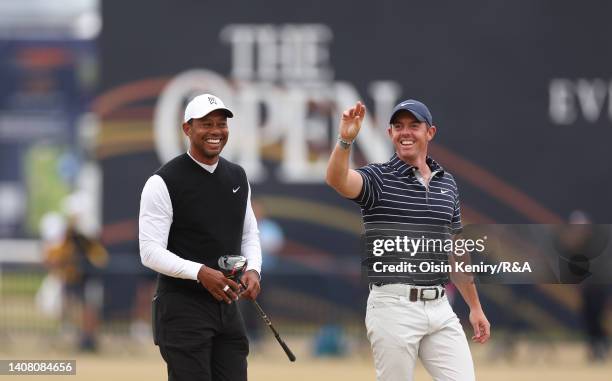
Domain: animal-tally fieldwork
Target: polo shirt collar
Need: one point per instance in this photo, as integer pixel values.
(406, 169)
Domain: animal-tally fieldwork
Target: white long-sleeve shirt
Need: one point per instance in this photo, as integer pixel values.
(154, 226)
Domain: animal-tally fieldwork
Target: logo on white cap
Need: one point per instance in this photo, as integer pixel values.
(203, 105)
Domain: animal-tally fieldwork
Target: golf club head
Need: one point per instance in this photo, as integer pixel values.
(232, 266)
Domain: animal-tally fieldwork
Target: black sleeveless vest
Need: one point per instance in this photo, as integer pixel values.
(208, 214)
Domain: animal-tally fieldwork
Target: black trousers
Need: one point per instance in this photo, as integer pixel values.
(199, 338)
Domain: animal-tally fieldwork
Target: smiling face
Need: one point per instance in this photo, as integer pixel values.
(207, 136)
(410, 137)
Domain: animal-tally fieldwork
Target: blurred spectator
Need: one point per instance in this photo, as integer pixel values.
(77, 259)
(271, 237)
(594, 297)
(593, 309)
(140, 327)
(330, 341)
(580, 245)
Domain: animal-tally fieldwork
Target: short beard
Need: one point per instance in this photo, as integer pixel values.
(204, 153)
(209, 155)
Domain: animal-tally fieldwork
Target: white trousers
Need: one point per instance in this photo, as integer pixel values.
(400, 331)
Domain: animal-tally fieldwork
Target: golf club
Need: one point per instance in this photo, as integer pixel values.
(232, 266)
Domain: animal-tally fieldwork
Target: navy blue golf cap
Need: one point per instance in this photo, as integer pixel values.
(416, 108)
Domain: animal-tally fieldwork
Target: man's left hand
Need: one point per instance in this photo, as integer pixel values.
(251, 280)
(482, 327)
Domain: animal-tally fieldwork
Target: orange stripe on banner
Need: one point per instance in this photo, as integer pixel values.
(124, 149)
(470, 215)
(117, 232)
(309, 256)
(139, 113)
(496, 187)
(119, 96)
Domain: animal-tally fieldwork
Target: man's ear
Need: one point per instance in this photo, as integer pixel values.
(187, 129)
(389, 132)
(431, 132)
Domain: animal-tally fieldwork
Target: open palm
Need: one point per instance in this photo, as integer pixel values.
(351, 121)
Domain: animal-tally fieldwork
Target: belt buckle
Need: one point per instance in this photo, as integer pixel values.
(372, 284)
(428, 294)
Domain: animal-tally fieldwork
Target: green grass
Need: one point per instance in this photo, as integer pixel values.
(20, 284)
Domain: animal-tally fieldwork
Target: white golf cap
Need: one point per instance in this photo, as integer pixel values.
(203, 105)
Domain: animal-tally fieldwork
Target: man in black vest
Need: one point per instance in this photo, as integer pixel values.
(193, 210)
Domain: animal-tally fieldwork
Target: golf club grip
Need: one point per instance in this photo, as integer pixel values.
(288, 352)
(265, 318)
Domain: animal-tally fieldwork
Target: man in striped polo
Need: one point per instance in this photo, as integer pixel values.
(409, 197)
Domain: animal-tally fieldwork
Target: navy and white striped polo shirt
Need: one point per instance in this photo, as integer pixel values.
(394, 201)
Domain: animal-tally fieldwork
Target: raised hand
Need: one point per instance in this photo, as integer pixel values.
(350, 123)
